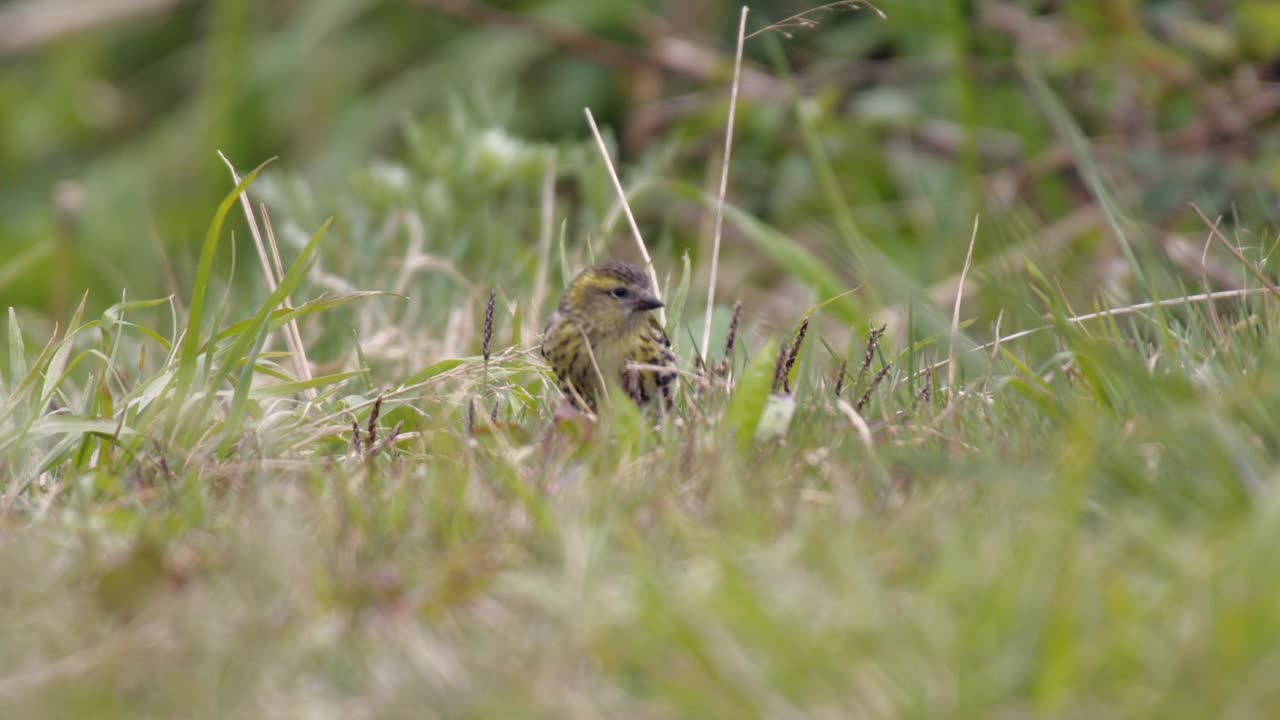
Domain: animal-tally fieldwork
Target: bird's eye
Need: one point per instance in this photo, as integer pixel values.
(620, 292)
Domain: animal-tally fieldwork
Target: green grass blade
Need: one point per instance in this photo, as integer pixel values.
(675, 306)
(751, 395)
(432, 370)
(17, 352)
(250, 342)
(281, 316)
(286, 389)
(195, 316)
(1070, 133)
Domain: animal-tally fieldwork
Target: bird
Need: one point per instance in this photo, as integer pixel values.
(604, 327)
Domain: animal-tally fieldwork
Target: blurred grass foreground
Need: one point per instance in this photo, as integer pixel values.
(980, 417)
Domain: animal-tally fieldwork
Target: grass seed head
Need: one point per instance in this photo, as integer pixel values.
(793, 353)
(875, 381)
(488, 327)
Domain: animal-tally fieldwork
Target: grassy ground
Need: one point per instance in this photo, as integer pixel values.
(1058, 502)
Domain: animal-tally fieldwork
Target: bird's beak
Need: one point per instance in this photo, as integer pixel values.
(647, 302)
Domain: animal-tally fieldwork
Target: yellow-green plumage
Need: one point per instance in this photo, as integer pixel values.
(608, 308)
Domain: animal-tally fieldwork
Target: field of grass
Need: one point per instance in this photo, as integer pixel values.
(991, 426)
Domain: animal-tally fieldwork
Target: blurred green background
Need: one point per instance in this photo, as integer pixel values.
(111, 113)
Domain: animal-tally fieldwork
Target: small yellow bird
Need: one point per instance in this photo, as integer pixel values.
(603, 328)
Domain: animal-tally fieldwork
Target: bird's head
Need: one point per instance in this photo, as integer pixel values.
(611, 298)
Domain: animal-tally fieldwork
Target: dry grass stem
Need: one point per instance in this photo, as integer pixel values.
(724, 183)
(859, 423)
(292, 336)
(1114, 312)
(546, 228)
(626, 207)
(809, 19)
(1204, 283)
(1253, 270)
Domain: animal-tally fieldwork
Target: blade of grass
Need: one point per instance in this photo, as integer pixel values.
(1087, 165)
(195, 317)
(678, 298)
(286, 389)
(281, 316)
(250, 342)
(751, 395)
(17, 351)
